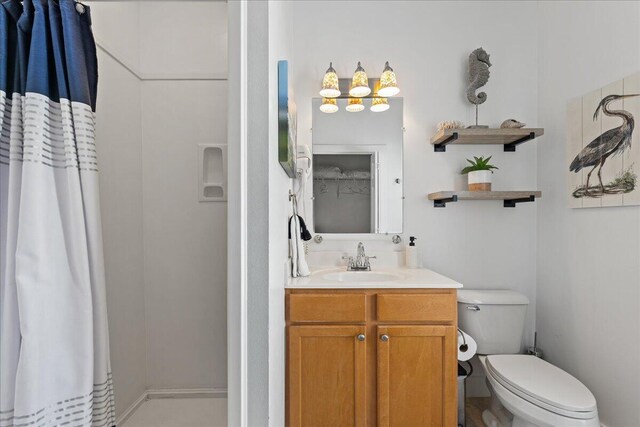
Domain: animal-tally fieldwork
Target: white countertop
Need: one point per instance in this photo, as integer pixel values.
(379, 278)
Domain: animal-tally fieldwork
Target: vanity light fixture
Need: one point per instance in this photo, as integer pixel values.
(359, 83)
(329, 105)
(379, 105)
(355, 105)
(330, 83)
(388, 82)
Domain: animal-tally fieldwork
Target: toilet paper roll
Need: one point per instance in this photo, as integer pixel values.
(467, 346)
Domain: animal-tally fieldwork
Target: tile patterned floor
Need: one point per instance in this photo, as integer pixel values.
(189, 412)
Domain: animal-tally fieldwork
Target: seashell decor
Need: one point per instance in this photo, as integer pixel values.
(512, 123)
(450, 124)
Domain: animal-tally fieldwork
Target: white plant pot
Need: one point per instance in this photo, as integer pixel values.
(479, 180)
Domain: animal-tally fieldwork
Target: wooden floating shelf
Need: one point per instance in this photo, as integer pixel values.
(510, 198)
(510, 138)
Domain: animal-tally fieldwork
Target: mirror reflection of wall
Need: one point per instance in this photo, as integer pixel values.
(343, 189)
(357, 170)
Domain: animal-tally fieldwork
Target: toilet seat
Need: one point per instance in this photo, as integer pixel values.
(542, 384)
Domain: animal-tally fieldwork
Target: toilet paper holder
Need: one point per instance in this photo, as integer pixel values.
(467, 346)
(463, 347)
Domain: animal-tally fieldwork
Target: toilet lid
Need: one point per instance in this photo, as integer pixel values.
(538, 381)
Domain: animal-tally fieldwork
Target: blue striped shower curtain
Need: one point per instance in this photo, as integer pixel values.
(54, 346)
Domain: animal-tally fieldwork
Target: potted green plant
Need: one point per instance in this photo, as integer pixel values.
(479, 173)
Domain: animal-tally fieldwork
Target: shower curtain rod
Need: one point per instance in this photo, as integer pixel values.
(146, 1)
(163, 1)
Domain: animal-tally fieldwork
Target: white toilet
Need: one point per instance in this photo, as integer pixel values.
(525, 391)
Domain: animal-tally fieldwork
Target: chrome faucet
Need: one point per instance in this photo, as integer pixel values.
(361, 262)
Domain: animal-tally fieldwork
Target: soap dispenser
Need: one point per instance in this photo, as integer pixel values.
(411, 254)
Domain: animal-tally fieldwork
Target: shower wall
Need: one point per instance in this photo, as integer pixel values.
(162, 92)
(184, 241)
(119, 137)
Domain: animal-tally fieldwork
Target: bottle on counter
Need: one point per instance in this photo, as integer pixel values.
(411, 255)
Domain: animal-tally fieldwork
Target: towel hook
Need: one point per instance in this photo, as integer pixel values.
(294, 202)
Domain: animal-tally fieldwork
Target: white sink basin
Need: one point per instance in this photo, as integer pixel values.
(362, 276)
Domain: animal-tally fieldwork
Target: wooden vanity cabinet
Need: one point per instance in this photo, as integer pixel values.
(417, 368)
(328, 364)
(374, 357)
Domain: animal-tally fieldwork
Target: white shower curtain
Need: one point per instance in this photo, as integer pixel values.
(54, 347)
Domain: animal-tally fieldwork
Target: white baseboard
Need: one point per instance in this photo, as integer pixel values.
(178, 393)
(184, 393)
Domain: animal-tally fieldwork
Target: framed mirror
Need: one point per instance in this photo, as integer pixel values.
(357, 170)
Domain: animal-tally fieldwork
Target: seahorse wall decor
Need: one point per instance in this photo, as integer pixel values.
(478, 75)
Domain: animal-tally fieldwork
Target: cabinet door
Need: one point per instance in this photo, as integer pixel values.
(417, 376)
(327, 368)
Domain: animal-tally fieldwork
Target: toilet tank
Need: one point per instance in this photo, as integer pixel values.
(494, 318)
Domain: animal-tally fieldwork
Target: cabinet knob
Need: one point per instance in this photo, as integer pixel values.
(360, 337)
(384, 338)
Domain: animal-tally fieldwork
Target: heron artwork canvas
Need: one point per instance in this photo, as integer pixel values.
(603, 146)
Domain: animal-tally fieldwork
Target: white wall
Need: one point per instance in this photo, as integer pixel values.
(118, 140)
(165, 252)
(184, 240)
(588, 287)
(480, 244)
(257, 201)
(120, 159)
(115, 27)
(183, 39)
(265, 27)
(280, 48)
(237, 239)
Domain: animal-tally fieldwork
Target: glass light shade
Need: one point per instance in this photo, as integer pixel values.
(388, 82)
(329, 105)
(330, 83)
(379, 105)
(359, 83)
(355, 105)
